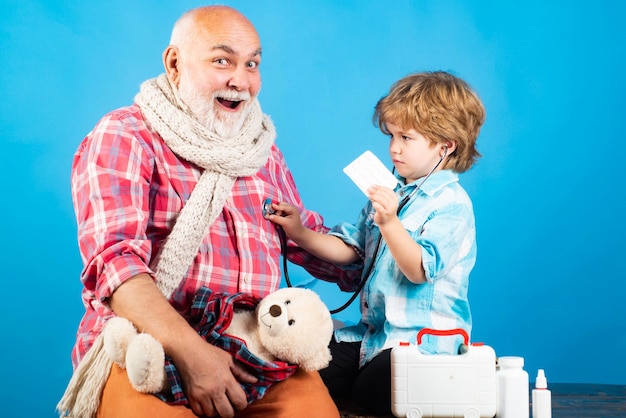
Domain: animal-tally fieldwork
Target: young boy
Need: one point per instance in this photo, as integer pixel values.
(421, 267)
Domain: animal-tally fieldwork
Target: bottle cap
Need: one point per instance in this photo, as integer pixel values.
(541, 382)
(511, 361)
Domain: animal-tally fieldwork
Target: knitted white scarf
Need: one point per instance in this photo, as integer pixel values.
(223, 160)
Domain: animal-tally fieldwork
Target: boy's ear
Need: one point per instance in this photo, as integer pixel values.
(450, 146)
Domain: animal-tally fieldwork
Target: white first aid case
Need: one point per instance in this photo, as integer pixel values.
(440, 385)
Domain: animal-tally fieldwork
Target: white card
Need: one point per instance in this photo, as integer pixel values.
(367, 170)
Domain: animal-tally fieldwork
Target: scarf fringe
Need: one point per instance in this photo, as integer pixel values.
(82, 395)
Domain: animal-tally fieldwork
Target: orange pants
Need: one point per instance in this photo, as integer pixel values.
(302, 394)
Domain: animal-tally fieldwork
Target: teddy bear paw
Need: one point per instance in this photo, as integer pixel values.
(117, 334)
(145, 364)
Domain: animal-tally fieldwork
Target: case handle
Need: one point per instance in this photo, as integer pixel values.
(443, 332)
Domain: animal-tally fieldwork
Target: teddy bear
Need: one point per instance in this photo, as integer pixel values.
(287, 328)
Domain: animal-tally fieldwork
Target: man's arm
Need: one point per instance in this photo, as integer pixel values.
(210, 375)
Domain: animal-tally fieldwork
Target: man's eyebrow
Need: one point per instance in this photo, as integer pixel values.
(230, 50)
(224, 48)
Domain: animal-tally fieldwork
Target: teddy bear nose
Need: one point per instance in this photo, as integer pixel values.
(275, 310)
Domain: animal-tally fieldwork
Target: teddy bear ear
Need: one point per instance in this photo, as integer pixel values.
(317, 362)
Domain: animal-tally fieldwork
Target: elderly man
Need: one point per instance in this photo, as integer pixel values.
(168, 195)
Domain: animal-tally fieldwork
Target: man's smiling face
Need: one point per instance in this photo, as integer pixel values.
(218, 72)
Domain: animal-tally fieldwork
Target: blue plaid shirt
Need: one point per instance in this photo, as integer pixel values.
(440, 218)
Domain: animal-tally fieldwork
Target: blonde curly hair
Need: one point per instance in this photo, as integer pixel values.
(440, 106)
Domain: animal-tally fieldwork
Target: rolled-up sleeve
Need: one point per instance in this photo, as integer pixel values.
(445, 238)
(111, 192)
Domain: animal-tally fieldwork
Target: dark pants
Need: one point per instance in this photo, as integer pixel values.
(369, 387)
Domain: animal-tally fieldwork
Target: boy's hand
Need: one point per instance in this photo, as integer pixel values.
(385, 201)
(288, 217)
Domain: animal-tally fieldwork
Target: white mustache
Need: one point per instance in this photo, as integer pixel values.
(234, 96)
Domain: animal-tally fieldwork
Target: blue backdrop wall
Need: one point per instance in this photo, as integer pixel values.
(549, 197)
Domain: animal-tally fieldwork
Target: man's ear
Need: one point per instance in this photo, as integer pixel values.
(171, 62)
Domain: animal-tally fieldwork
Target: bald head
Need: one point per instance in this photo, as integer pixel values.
(201, 33)
(207, 19)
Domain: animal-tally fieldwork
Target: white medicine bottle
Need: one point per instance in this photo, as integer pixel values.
(512, 388)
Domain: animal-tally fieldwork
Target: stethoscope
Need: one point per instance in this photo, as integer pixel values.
(267, 209)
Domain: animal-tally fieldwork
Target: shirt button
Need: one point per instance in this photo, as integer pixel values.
(246, 279)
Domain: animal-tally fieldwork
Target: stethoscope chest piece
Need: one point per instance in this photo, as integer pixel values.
(267, 208)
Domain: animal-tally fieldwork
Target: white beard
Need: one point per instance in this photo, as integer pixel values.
(204, 109)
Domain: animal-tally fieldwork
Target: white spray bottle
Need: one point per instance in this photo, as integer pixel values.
(541, 397)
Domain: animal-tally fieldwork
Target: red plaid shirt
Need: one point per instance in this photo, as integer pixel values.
(128, 187)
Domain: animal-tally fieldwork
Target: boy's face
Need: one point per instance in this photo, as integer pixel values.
(412, 154)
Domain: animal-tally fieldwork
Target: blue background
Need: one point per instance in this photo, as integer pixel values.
(549, 198)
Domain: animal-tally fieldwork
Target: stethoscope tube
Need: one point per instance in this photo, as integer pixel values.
(365, 276)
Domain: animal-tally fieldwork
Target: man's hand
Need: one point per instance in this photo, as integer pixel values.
(209, 374)
(211, 379)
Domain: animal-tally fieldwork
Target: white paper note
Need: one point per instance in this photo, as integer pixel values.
(367, 170)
